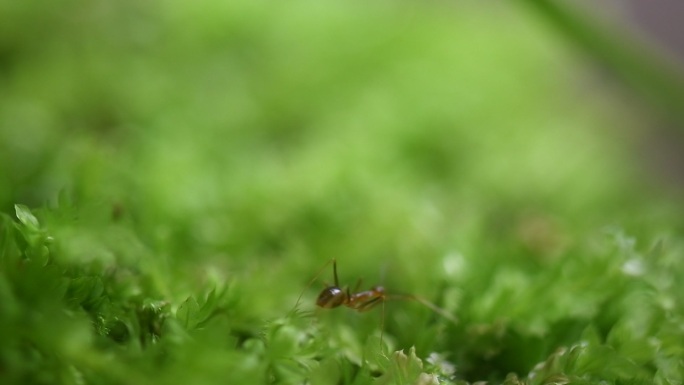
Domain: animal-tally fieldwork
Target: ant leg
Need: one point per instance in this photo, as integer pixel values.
(365, 306)
(371, 304)
(382, 329)
(334, 261)
(358, 285)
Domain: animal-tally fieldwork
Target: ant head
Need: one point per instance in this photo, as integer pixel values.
(331, 297)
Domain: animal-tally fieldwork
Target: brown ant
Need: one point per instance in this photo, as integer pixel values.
(335, 296)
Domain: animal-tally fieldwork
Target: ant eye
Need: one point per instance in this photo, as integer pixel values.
(331, 297)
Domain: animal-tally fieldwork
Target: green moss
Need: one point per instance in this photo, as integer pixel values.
(173, 176)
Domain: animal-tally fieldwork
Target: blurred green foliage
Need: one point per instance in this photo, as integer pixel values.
(173, 174)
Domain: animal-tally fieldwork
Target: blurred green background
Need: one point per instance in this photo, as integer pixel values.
(462, 151)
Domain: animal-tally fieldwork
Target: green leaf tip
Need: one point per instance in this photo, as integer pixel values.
(406, 369)
(26, 217)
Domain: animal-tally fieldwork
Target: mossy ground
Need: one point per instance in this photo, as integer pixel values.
(181, 171)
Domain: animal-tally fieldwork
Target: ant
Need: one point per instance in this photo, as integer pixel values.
(335, 296)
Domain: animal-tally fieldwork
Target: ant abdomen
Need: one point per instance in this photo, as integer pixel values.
(331, 297)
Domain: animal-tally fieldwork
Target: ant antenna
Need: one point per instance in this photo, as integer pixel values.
(425, 303)
(318, 273)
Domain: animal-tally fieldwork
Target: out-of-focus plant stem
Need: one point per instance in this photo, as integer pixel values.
(638, 66)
